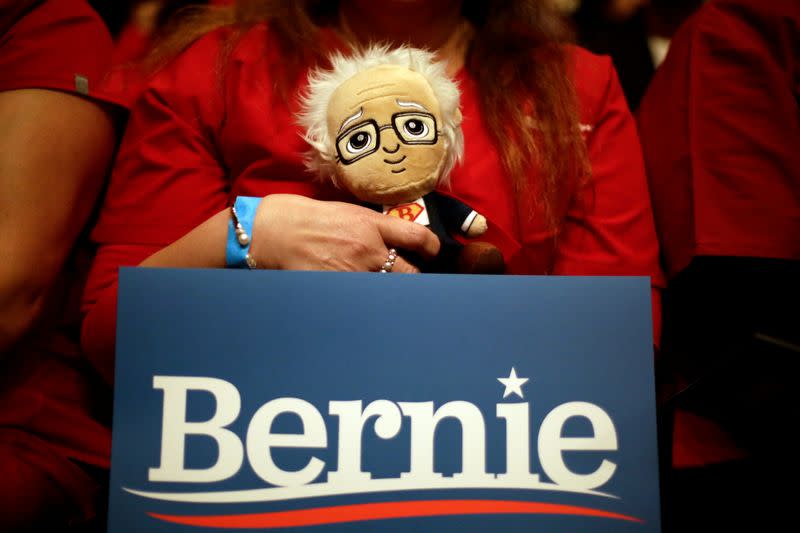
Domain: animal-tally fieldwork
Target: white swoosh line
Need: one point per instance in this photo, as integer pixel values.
(403, 103)
(316, 490)
(350, 119)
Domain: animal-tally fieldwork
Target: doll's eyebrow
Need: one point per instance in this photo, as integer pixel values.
(350, 119)
(402, 103)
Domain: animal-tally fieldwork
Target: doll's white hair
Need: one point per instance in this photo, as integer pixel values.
(321, 159)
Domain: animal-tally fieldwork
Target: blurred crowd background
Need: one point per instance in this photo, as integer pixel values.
(635, 33)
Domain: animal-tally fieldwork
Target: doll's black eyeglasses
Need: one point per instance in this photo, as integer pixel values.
(364, 138)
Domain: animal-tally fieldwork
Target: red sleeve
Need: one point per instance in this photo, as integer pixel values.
(721, 130)
(609, 227)
(166, 181)
(60, 44)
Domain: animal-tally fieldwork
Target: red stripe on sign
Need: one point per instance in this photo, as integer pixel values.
(380, 511)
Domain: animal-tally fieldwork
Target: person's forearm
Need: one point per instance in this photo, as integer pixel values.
(288, 232)
(203, 247)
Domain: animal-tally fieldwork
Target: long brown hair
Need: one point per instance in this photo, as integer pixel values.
(517, 58)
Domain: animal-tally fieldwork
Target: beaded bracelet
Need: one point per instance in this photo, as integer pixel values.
(240, 228)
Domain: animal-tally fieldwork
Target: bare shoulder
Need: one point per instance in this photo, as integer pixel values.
(51, 133)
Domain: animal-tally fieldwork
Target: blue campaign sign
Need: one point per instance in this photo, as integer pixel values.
(332, 401)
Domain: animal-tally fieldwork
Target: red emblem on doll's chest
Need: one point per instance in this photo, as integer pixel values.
(408, 212)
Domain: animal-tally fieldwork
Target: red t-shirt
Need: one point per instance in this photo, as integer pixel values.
(720, 129)
(47, 390)
(193, 144)
(127, 78)
(59, 44)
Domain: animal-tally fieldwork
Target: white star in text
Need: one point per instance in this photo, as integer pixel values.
(513, 384)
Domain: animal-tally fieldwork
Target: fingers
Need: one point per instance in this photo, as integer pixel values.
(396, 264)
(297, 233)
(399, 233)
(401, 266)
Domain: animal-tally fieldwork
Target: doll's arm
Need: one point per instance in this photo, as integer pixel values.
(458, 217)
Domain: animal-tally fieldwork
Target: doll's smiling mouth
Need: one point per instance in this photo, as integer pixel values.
(395, 162)
(398, 171)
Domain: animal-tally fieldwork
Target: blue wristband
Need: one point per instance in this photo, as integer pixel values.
(240, 231)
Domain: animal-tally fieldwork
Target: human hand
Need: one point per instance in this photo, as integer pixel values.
(293, 232)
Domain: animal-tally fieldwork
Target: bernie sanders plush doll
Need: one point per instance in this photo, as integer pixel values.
(386, 125)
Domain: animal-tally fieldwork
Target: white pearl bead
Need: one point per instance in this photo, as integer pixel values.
(243, 238)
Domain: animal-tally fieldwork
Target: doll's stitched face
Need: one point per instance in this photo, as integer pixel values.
(386, 122)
